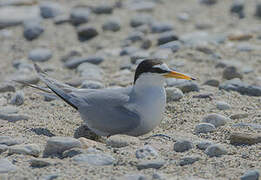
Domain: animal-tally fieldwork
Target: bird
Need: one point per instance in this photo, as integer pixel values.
(134, 110)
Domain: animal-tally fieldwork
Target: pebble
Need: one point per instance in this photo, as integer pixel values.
(55, 146)
(18, 98)
(188, 160)
(6, 166)
(184, 85)
(141, 19)
(50, 9)
(76, 61)
(251, 125)
(17, 3)
(88, 143)
(142, 6)
(167, 37)
(72, 152)
(212, 82)
(90, 71)
(174, 94)
(89, 84)
(147, 164)
(238, 138)
(237, 8)
(13, 117)
(204, 128)
(231, 72)
(216, 150)
(40, 162)
(241, 87)
(146, 43)
(49, 177)
(145, 152)
(221, 105)
(119, 141)
(182, 145)
(86, 133)
(40, 55)
(26, 149)
(3, 148)
(111, 25)
(208, 2)
(250, 175)
(6, 87)
(86, 32)
(158, 27)
(216, 119)
(94, 159)
(32, 29)
(79, 15)
(138, 56)
(131, 177)
(26, 77)
(135, 36)
(61, 19)
(258, 10)
(128, 50)
(103, 9)
(203, 145)
(173, 45)
(9, 141)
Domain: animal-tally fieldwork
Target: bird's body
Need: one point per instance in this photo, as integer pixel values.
(134, 110)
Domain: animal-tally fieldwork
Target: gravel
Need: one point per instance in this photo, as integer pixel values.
(182, 145)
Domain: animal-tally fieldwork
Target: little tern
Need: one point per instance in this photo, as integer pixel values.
(133, 110)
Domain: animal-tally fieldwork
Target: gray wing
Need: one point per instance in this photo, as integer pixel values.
(109, 111)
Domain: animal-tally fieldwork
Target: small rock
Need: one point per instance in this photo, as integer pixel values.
(3, 148)
(157, 27)
(26, 149)
(90, 71)
(216, 150)
(26, 77)
(87, 143)
(111, 25)
(9, 141)
(208, 2)
(212, 82)
(55, 146)
(237, 8)
(221, 105)
(17, 99)
(231, 72)
(40, 162)
(61, 19)
(49, 177)
(94, 159)
(13, 117)
(89, 84)
(6, 166)
(140, 55)
(72, 152)
(188, 160)
(103, 9)
(258, 10)
(173, 45)
(204, 128)
(131, 177)
(182, 146)
(251, 125)
(32, 29)
(9, 110)
(146, 151)
(154, 164)
(128, 50)
(142, 6)
(140, 20)
(118, 141)
(184, 85)
(174, 94)
(86, 32)
(250, 175)
(216, 119)
(50, 9)
(84, 131)
(40, 55)
(75, 62)
(146, 44)
(71, 54)
(244, 138)
(6, 87)
(79, 15)
(167, 37)
(135, 36)
(203, 145)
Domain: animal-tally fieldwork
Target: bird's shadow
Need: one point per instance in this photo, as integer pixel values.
(43, 131)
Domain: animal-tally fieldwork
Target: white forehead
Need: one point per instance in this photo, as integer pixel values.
(162, 66)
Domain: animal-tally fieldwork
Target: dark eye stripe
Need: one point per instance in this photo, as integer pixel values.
(158, 70)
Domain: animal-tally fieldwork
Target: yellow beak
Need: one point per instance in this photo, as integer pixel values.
(177, 75)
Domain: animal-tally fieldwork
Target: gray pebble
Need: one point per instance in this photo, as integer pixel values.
(167, 37)
(111, 25)
(6, 87)
(174, 94)
(140, 55)
(73, 152)
(216, 150)
(204, 128)
(40, 55)
(18, 98)
(221, 105)
(55, 146)
(76, 61)
(84, 131)
(79, 15)
(251, 125)
(86, 32)
(250, 175)
(212, 82)
(135, 36)
(3, 148)
(237, 8)
(184, 85)
(258, 10)
(140, 20)
(142, 6)
(6, 166)
(131, 177)
(32, 29)
(61, 19)
(39, 162)
(50, 9)
(26, 149)
(90, 71)
(146, 44)
(173, 45)
(94, 159)
(188, 160)
(182, 145)
(231, 72)
(49, 177)
(154, 164)
(216, 119)
(9, 141)
(203, 145)
(145, 152)
(158, 27)
(13, 117)
(119, 141)
(128, 50)
(208, 2)
(103, 9)
(89, 84)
